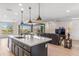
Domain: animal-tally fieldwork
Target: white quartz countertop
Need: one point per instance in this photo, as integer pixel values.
(31, 41)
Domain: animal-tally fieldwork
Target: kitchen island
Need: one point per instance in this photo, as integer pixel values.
(30, 45)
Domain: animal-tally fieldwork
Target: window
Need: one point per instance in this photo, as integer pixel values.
(6, 28)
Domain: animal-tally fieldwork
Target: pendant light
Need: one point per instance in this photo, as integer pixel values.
(21, 16)
(39, 18)
(29, 15)
(19, 26)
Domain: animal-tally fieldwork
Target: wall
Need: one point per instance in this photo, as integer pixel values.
(50, 27)
(72, 27)
(75, 29)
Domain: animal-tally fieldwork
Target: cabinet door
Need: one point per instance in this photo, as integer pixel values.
(16, 50)
(12, 47)
(20, 51)
(25, 53)
(9, 43)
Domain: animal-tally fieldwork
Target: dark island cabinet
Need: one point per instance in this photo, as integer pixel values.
(18, 49)
(21, 47)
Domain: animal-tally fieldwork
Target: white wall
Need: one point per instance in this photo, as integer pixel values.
(50, 27)
(75, 29)
(72, 27)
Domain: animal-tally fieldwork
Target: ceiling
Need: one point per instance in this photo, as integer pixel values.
(48, 11)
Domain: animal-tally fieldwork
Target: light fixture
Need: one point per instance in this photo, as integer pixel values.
(39, 18)
(21, 23)
(29, 15)
(20, 4)
(21, 16)
(67, 11)
(22, 9)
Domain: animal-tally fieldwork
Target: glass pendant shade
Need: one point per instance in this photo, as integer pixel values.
(29, 21)
(21, 16)
(29, 15)
(39, 18)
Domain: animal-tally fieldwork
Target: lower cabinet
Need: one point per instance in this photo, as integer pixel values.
(25, 53)
(9, 43)
(12, 47)
(16, 50)
(20, 51)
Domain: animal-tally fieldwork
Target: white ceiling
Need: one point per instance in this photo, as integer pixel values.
(49, 11)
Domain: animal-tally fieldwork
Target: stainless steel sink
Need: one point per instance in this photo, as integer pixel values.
(19, 37)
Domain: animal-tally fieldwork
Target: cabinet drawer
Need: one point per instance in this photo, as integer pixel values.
(26, 48)
(25, 53)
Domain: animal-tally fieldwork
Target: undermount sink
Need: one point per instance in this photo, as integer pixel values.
(19, 37)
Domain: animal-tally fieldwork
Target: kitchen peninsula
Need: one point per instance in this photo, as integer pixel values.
(30, 45)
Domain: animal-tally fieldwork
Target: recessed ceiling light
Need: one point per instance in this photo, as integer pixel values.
(20, 4)
(22, 9)
(68, 11)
